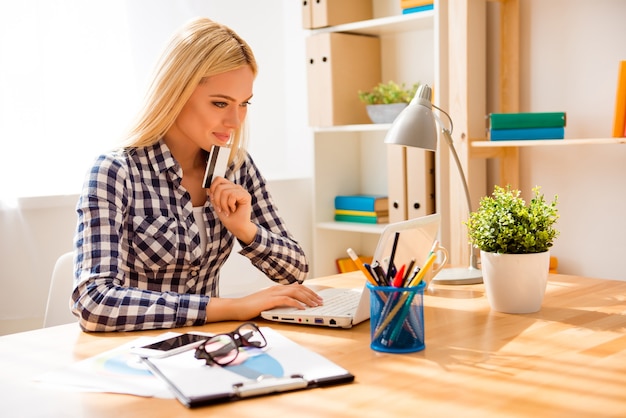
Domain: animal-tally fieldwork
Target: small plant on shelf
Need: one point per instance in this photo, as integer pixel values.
(388, 93)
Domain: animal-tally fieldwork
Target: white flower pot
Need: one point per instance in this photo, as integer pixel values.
(385, 113)
(515, 283)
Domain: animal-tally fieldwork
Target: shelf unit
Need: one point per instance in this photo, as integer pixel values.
(546, 143)
(507, 152)
(352, 159)
(452, 41)
(388, 25)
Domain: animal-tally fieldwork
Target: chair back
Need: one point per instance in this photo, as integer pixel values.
(58, 306)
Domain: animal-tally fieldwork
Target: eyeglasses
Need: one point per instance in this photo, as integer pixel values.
(223, 349)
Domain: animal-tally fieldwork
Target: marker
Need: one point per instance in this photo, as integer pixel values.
(397, 281)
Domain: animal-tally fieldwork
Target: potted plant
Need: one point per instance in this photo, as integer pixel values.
(514, 241)
(385, 101)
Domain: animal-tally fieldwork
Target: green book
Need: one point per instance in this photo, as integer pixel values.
(362, 219)
(527, 120)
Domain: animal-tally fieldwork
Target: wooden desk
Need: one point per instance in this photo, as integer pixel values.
(567, 360)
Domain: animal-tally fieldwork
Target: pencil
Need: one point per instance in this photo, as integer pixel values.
(361, 266)
(423, 271)
(432, 256)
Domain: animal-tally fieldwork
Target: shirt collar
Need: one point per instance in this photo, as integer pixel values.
(161, 158)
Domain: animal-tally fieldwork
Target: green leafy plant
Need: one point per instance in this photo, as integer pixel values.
(504, 223)
(387, 93)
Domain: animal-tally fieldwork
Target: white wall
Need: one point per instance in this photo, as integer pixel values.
(570, 51)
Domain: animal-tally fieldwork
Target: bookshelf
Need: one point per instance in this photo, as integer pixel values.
(507, 152)
(388, 25)
(451, 39)
(351, 159)
(482, 144)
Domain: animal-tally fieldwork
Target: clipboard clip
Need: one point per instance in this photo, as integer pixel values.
(265, 384)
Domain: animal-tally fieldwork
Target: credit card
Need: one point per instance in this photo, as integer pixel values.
(216, 164)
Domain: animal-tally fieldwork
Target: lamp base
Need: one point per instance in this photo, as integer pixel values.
(459, 275)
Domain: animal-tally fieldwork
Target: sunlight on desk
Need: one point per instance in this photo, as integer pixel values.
(569, 359)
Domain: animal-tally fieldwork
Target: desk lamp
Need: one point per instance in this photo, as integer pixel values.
(415, 127)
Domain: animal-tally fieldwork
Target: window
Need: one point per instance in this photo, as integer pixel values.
(67, 88)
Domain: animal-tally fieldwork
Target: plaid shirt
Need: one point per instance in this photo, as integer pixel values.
(139, 263)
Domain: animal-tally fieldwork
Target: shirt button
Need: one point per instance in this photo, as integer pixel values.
(194, 273)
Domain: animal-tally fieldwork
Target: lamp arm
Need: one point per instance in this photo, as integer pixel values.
(448, 136)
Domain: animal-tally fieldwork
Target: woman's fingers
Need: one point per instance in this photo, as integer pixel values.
(226, 196)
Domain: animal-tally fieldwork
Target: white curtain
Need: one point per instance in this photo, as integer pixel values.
(67, 88)
(72, 73)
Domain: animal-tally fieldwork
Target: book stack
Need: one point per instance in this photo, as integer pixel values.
(619, 120)
(362, 208)
(346, 264)
(530, 125)
(415, 6)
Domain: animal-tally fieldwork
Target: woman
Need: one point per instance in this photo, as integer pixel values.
(151, 239)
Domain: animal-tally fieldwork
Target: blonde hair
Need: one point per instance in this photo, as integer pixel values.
(201, 48)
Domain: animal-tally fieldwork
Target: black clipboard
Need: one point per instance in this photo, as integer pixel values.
(282, 366)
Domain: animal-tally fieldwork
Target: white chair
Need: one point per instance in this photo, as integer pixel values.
(58, 306)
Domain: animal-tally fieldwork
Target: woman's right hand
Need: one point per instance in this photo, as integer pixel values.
(248, 307)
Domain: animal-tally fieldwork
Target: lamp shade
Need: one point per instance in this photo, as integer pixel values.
(415, 126)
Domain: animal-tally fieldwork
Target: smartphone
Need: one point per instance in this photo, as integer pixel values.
(216, 164)
(170, 346)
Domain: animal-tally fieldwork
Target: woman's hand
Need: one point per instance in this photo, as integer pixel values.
(248, 307)
(233, 205)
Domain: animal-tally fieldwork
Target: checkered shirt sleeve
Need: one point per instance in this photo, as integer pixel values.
(139, 262)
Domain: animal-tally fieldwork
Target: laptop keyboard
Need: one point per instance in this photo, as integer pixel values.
(337, 302)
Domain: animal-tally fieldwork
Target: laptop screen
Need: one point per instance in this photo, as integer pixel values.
(415, 240)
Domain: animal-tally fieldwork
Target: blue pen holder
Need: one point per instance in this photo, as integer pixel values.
(397, 318)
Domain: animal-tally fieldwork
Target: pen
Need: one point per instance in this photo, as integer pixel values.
(380, 273)
(390, 267)
(408, 273)
(412, 275)
(361, 266)
(397, 281)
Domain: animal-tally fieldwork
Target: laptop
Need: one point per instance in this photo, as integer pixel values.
(343, 307)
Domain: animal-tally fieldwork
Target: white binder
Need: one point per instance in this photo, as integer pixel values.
(280, 367)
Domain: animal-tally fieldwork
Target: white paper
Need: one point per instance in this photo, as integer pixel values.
(114, 371)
